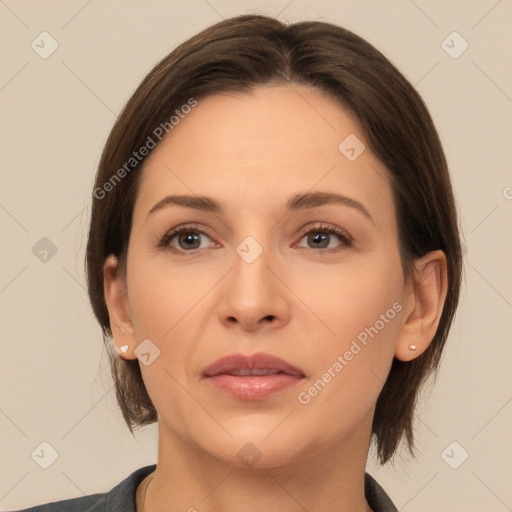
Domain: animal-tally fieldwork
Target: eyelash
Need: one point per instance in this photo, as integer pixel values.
(345, 238)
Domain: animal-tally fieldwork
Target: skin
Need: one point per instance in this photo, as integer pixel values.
(251, 153)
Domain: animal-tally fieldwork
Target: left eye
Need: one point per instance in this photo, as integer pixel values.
(322, 238)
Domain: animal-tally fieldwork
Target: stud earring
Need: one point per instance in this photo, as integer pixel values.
(412, 347)
(124, 349)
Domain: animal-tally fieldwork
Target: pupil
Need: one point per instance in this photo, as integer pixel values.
(189, 237)
(321, 237)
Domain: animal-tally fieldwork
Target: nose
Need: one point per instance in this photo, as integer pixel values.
(254, 295)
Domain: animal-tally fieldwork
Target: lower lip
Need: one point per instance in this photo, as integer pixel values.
(253, 387)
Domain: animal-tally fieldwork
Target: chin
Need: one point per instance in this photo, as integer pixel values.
(260, 445)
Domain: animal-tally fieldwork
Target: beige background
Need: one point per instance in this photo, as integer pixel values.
(55, 116)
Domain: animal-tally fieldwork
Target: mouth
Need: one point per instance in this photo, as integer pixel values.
(252, 377)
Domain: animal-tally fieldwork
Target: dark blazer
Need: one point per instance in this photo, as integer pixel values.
(122, 497)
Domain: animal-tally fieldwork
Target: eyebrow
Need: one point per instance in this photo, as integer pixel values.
(298, 202)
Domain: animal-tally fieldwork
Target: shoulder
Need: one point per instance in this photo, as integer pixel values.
(376, 497)
(94, 502)
(120, 499)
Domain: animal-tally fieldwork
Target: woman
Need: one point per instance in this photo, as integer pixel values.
(275, 262)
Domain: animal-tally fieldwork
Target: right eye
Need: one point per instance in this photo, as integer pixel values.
(184, 239)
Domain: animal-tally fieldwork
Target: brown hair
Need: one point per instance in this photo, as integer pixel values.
(236, 55)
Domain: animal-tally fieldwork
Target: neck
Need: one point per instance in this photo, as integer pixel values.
(327, 479)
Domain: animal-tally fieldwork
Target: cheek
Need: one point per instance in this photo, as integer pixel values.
(351, 297)
(170, 305)
(162, 295)
(165, 309)
(360, 306)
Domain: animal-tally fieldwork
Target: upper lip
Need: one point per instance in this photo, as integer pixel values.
(259, 361)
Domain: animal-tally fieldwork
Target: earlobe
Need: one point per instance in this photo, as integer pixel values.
(116, 299)
(423, 306)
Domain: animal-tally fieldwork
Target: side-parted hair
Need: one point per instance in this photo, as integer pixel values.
(236, 55)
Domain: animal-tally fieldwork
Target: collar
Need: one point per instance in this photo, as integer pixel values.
(122, 497)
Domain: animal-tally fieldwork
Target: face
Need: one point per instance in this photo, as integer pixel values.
(300, 261)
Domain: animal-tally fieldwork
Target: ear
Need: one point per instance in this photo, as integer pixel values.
(116, 298)
(424, 302)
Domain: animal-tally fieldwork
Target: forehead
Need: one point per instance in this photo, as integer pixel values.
(261, 146)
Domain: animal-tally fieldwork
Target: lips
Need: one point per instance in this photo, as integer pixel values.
(252, 377)
(255, 364)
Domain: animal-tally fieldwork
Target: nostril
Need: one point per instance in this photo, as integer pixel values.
(269, 318)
